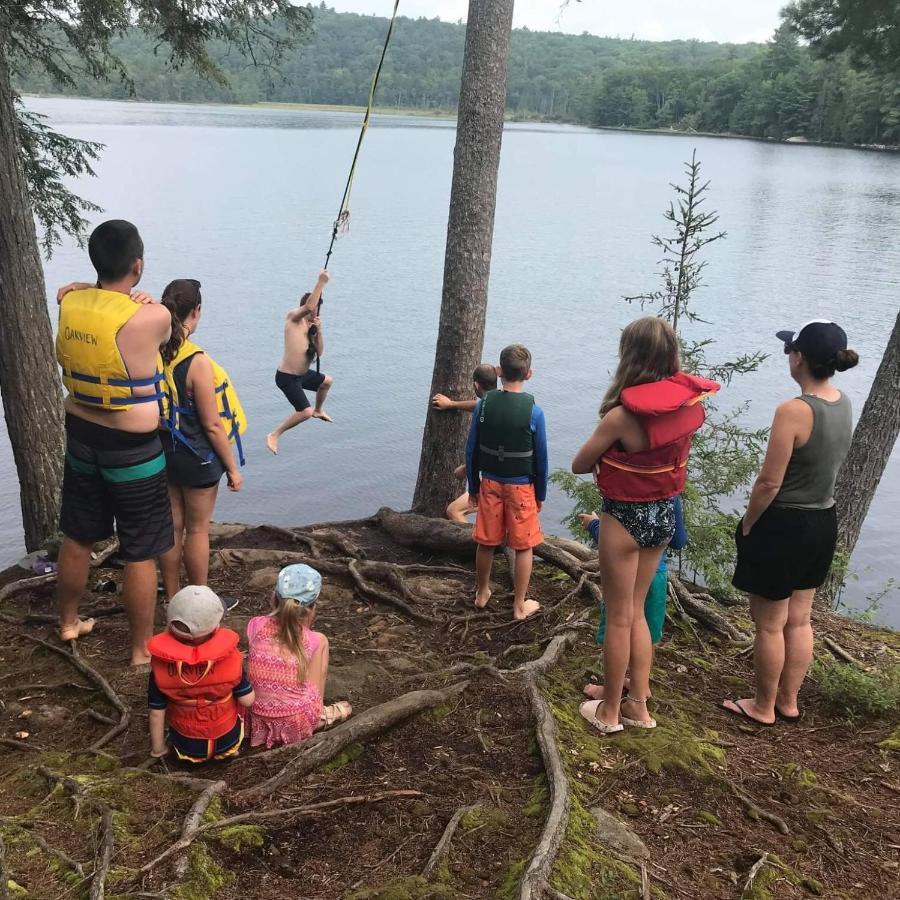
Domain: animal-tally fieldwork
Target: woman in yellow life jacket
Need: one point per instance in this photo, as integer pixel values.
(196, 436)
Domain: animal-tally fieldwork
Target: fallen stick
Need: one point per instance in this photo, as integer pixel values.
(93, 675)
(443, 845)
(754, 871)
(64, 858)
(195, 816)
(20, 745)
(313, 809)
(322, 747)
(842, 654)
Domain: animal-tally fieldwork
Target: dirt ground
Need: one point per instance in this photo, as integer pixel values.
(814, 808)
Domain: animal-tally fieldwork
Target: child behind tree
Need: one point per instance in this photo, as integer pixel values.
(506, 465)
(197, 683)
(288, 664)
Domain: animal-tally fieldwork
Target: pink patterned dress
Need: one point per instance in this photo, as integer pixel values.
(285, 710)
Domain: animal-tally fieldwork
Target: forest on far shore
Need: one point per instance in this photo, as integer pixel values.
(777, 90)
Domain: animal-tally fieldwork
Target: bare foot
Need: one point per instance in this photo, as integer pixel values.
(77, 630)
(596, 691)
(482, 598)
(272, 442)
(528, 608)
(140, 662)
(321, 414)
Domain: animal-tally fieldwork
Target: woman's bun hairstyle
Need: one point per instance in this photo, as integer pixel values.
(845, 359)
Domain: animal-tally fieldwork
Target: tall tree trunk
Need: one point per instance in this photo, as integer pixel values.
(873, 440)
(467, 260)
(29, 382)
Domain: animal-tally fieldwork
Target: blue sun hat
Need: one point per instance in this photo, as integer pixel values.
(299, 582)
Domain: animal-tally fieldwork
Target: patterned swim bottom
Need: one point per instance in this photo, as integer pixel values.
(651, 523)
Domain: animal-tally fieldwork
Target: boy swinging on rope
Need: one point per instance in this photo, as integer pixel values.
(302, 343)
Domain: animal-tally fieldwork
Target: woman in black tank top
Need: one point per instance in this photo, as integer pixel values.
(786, 539)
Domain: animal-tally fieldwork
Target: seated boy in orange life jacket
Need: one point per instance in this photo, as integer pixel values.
(197, 681)
(484, 379)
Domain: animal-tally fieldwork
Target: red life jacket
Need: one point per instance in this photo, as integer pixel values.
(671, 412)
(198, 680)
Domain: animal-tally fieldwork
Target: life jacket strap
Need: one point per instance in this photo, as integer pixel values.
(179, 666)
(643, 470)
(502, 453)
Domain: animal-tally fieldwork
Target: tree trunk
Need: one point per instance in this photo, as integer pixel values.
(467, 259)
(29, 382)
(873, 440)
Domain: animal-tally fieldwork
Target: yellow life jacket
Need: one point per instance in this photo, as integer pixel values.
(94, 372)
(227, 401)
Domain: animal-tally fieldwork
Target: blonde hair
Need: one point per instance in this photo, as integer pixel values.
(291, 618)
(648, 351)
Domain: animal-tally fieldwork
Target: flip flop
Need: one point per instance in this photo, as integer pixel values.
(588, 711)
(742, 713)
(790, 720)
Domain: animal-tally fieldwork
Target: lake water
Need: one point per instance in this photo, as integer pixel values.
(243, 199)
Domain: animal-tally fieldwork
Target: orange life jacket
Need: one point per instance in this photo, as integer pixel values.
(198, 680)
(670, 412)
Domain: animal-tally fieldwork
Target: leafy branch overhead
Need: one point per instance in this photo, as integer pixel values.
(48, 157)
(74, 38)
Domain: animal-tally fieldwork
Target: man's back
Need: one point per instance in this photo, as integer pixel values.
(296, 344)
(105, 334)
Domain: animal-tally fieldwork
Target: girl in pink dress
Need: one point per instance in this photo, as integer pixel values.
(288, 664)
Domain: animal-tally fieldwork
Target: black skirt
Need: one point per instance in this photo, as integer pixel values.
(787, 550)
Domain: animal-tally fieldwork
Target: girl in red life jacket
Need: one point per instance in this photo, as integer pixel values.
(197, 683)
(639, 452)
(288, 664)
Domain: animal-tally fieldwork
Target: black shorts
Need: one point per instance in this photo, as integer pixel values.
(294, 387)
(186, 469)
(787, 550)
(115, 476)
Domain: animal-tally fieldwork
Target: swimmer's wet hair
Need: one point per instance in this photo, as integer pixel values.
(515, 362)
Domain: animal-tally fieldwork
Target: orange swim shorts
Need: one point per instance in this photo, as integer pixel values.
(507, 512)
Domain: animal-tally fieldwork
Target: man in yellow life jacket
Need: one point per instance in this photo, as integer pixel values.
(108, 348)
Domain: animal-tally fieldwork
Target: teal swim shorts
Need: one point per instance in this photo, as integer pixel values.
(654, 609)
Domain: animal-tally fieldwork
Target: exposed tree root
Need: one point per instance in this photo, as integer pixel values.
(93, 675)
(92, 612)
(755, 869)
(443, 845)
(550, 657)
(64, 858)
(376, 593)
(25, 584)
(294, 537)
(104, 857)
(195, 816)
(756, 813)
(324, 746)
(4, 874)
(14, 744)
(537, 875)
(106, 834)
(294, 812)
(705, 615)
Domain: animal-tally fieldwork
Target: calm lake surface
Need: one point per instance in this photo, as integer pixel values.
(243, 199)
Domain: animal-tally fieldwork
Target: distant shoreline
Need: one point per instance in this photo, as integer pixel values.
(450, 115)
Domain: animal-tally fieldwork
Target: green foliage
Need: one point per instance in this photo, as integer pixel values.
(352, 753)
(585, 495)
(205, 877)
(48, 158)
(868, 29)
(857, 695)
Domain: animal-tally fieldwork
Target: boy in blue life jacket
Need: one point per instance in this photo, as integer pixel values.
(506, 467)
(655, 603)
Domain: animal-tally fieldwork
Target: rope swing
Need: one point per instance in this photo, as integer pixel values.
(342, 222)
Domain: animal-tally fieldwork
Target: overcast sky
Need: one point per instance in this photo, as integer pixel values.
(707, 20)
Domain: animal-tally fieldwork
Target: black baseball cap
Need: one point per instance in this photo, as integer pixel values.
(819, 341)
